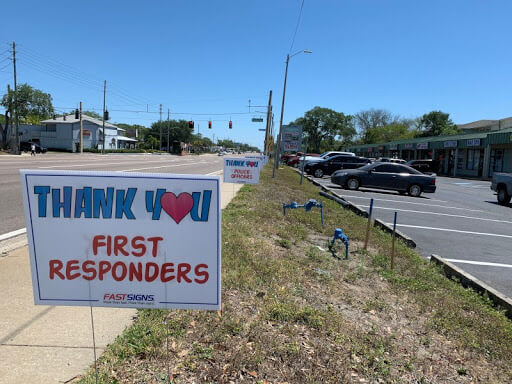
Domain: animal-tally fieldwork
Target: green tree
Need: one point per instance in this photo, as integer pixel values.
(437, 123)
(324, 128)
(178, 131)
(33, 105)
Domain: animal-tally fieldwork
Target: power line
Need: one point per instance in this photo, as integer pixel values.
(71, 72)
(297, 26)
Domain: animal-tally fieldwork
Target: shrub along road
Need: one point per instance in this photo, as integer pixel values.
(294, 313)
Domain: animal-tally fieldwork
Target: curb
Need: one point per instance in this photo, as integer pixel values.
(467, 280)
(10, 235)
(360, 212)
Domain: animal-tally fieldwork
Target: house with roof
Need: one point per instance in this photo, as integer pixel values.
(63, 133)
(486, 125)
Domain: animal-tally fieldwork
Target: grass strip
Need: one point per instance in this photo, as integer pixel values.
(293, 313)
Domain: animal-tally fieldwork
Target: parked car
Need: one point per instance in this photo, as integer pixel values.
(294, 161)
(288, 156)
(425, 165)
(328, 154)
(335, 163)
(390, 160)
(502, 185)
(396, 177)
(25, 146)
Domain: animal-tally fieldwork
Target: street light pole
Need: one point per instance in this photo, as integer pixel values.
(278, 144)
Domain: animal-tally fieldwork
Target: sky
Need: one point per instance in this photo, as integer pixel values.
(204, 60)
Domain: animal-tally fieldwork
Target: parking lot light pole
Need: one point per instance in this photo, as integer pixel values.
(278, 144)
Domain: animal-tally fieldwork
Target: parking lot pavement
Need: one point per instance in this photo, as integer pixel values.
(461, 222)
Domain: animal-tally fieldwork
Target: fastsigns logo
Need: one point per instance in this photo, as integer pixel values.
(127, 297)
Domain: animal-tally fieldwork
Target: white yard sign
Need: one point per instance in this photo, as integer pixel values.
(242, 170)
(116, 239)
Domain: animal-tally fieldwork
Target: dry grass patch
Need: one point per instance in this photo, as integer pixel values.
(293, 313)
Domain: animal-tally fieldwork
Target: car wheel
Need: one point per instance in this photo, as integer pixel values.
(295, 165)
(503, 196)
(415, 190)
(318, 173)
(353, 183)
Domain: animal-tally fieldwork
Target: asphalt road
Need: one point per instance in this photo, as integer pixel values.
(11, 207)
(461, 222)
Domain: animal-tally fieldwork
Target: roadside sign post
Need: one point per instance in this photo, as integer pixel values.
(370, 212)
(303, 164)
(393, 243)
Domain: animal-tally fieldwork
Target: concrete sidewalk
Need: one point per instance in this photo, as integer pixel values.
(52, 344)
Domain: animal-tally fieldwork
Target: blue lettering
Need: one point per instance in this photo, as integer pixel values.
(65, 205)
(153, 204)
(205, 209)
(103, 203)
(124, 203)
(83, 202)
(42, 193)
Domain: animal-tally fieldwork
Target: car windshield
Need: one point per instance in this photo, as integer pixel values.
(324, 154)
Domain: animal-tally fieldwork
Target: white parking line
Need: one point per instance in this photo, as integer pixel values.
(452, 230)
(439, 214)
(372, 191)
(479, 263)
(410, 202)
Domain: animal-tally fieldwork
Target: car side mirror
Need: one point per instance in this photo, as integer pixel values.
(370, 171)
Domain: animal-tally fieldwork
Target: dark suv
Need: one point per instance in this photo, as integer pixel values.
(424, 166)
(26, 145)
(335, 163)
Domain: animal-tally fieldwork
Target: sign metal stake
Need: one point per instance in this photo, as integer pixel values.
(94, 346)
(393, 244)
(168, 351)
(370, 212)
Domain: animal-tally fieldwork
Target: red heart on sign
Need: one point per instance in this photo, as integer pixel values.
(251, 163)
(177, 207)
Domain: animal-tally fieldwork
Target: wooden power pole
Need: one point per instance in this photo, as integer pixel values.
(81, 131)
(267, 128)
(16, 119)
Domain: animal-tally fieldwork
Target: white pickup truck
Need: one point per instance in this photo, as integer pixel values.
(502, 184)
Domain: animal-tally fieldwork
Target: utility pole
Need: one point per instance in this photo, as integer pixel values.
(160, 126)
(267, 128)
(16, 119)
(81, 131)
(104, 109)
(168, 143)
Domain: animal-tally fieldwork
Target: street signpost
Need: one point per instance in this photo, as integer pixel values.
(291, 138)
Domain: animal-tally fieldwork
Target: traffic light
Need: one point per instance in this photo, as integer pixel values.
(77, 116)
(191, 124)
(105, 115)
(230, 124)
(210, 124)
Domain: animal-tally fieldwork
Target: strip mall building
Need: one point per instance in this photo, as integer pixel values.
(484, 147)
